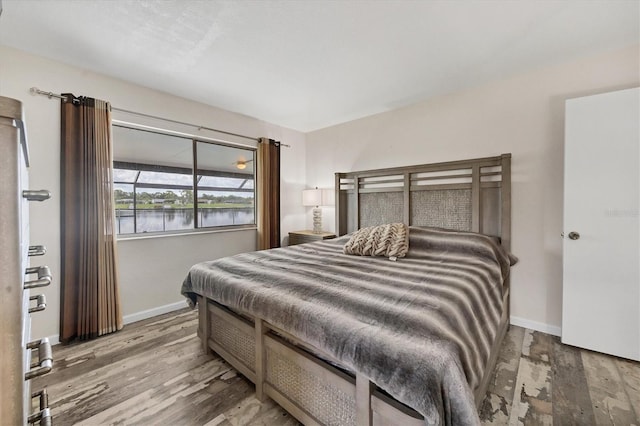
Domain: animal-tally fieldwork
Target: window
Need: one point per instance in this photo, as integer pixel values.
(156, 190)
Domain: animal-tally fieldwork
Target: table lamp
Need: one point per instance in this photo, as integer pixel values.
(313, 198)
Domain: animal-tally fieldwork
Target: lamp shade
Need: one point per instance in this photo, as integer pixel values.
(312, 197)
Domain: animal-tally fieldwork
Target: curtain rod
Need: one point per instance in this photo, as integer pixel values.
(36, 91)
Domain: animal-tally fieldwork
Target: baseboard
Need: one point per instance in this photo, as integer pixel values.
(537, 326)
(153, 312)
(138, 316)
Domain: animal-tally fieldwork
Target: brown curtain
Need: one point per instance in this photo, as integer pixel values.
(89, 299)
(268, 180)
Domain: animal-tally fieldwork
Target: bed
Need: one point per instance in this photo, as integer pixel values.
(338, 339)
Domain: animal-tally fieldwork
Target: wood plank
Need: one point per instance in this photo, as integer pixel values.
(440, 186)
(250, 411)
(570, 394)
(203, 317)
(532, 404)
(113, 386)
(434, 167)
(134, 378)
(497, 405)
(481, 390)
(364, 389)
(172, 401)
(381, 189)
(466, 177)
(356, 202)
(108, 344)
(212, 401)
(406, 197)
(630, 374)
(475, 199)
(505, 194)
(68, 365)
(611, 404)
(260, 360)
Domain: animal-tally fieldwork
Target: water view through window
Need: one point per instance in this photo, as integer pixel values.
(157, 191)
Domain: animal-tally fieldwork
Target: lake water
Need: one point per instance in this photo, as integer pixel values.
(159, 220)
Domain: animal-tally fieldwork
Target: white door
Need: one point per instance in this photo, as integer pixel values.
(601, 246)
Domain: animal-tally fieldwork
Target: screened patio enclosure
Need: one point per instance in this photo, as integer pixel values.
(156, 189)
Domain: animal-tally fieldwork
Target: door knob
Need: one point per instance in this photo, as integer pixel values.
(574, 235)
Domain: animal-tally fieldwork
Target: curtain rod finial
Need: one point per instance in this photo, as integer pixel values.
(34, 91)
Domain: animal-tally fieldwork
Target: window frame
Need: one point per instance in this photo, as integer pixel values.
(196, 174)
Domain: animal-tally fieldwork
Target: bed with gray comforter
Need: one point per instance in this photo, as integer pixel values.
(421, 327)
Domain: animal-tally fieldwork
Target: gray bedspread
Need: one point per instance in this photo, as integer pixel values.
(421, 328)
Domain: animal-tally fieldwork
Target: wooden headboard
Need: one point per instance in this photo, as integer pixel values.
(468, 195)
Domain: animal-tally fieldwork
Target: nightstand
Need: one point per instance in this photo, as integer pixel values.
(301, 237)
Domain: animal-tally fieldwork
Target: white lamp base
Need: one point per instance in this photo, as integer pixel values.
(317, 220)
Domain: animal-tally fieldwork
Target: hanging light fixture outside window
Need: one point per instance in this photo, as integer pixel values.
(242, 164)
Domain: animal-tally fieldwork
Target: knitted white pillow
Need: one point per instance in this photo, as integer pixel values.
(390, 240)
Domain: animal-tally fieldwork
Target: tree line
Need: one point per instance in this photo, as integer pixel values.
(183, 196)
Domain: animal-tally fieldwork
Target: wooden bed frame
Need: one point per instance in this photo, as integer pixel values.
(471, 195)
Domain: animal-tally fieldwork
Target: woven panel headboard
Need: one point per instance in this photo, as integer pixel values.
(468, 195)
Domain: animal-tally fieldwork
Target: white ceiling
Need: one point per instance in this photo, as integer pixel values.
(312, 64)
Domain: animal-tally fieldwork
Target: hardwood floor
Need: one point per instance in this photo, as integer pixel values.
(154, 373)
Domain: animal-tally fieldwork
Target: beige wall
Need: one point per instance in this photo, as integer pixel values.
(151, 269)
(523, 115)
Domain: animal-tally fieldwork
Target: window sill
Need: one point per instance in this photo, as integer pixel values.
(149, 235)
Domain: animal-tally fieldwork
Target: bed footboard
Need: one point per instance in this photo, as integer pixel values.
(310, 389)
